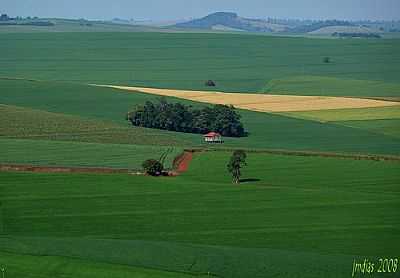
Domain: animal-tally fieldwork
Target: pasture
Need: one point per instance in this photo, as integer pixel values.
(317, 212)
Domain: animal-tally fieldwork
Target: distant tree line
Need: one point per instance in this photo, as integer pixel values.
(318, 25)
(33, 23)
(357, 35)
(179, 117)
(30, 21)
(4, 17)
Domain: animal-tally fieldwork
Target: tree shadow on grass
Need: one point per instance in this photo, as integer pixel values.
(249, 180)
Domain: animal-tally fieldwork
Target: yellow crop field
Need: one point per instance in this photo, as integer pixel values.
(264, 102)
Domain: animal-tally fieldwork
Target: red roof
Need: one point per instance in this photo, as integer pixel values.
(212, 134)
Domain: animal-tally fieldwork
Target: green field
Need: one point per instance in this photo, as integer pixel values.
(70, 98)
(237, 63)
(37, 266)
(54, 153)
(314, 85)
(309, 209)
(291, 216)
(271, 131)
(356, 114)
(267, 131)
(163, 60)
(45, 125)
(389, 127)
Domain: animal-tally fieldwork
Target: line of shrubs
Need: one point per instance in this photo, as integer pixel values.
(357, 35)
(182, 118)
(33, 23)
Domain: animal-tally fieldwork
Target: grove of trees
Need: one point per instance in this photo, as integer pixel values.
(182, 118)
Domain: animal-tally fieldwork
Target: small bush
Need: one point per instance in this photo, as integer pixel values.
(153, 167)
(210, 83)
(327, 60)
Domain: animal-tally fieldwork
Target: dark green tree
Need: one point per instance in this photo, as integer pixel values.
(153, 167)
(236, 162)
(210, 83)
(227, 121)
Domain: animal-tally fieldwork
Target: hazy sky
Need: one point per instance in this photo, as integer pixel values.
(180, 9)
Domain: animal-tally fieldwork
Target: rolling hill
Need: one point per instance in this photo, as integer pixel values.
(231, 21)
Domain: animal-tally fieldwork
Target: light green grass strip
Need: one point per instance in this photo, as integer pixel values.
(357, 114)
(389, 127)
(315, 85)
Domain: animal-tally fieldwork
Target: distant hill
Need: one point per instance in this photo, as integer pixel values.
(226, 21)
(231, 21)
(219, 21)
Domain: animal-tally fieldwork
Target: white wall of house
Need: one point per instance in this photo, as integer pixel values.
(213, 139)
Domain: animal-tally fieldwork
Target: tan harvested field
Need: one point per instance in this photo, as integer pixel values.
(263, 102)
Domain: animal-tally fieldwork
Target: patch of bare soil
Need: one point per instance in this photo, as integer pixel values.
(182, 162)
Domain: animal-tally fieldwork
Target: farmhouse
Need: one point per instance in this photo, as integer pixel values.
(213, 137)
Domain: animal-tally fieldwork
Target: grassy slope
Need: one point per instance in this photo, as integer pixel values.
(358, 114)
(390, 127)
(56, 267)
(314, 85)
(168, 67)
(236, 62)
(279, 132)
(25, 123)
(266, 130)
(69, 98)
(291, 209)
(54, 153)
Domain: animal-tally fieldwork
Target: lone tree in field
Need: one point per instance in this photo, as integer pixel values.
(153, 167)
(236, 162)
(327, 60)
(210, 83)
